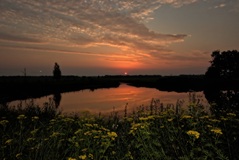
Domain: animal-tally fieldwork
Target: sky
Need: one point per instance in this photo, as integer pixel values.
(111, 37)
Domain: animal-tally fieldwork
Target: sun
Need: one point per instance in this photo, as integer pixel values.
(125, 73)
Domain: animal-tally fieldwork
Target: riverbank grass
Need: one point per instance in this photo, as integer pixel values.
(41, 133)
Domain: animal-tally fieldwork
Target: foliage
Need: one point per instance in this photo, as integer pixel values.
(224, 64)
(57, 71)
(144, 134)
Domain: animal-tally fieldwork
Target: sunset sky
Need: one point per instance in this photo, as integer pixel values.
(111, 37)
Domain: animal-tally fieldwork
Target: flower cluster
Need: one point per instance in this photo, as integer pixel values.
(193, 133)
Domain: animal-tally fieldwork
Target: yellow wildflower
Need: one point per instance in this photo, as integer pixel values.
(91, 156)
(216, 131)
(95, 125)
(84, 150)
(94, 131)
(135, 126)
(35, 118)
(170, 111)
(55, 134)
(4, 122)
(68, 120)
(52, 121)
(99, 131)
(18, 155)
(158, 116)
(88, 125)
(231, 114)
(88, 133)
(83, 156)
(170, 119)
(76, 144)
(30, 139)
(61, 116)
(9, 141)
(214, 120)
(224, 119)
(21, 117)
(71, 158)
(164, 113)
(209, 126)
(151, 117)
(193, 133)
(129, 155)
(112, 135)
(186, 117)
(96, 137)
(104, 129)
(104, 136)
(204, 117)
(78, 131)
(130, 119)
(194, 123)
(143, 118)
(33, 132)
(146, 118)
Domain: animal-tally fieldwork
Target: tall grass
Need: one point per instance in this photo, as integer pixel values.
(37, 132)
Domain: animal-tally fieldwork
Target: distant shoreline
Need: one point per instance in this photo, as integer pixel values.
(20, 87)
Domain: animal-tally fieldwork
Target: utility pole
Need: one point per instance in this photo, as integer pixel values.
(25, 72)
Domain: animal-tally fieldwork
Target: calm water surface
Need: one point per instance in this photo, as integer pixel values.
(113, 99)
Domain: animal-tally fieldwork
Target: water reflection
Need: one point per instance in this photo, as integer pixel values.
(57, 99)
(222, 101)
(125, 96)
(115, 99)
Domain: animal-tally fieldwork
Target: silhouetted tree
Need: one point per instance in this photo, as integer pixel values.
(224, 65)
(222, 90)
(57, 71)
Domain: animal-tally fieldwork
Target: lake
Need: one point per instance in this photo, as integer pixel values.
(112, 99)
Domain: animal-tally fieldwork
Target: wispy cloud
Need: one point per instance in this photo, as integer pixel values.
(220, 5)
(231, 5)
(117, 23)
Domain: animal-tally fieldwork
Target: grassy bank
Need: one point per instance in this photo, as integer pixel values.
(44, 133)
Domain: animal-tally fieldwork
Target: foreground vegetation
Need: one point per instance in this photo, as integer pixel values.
(44, 133)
